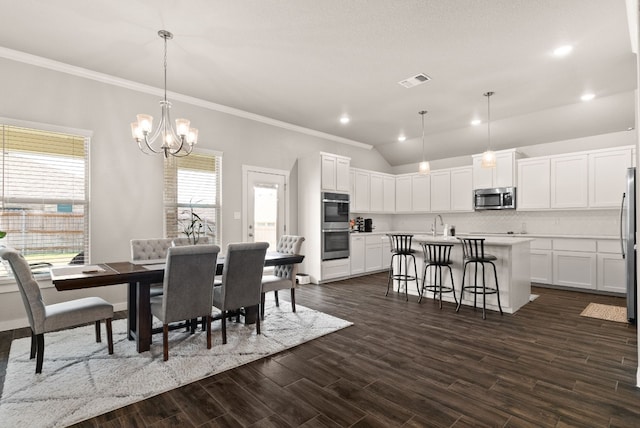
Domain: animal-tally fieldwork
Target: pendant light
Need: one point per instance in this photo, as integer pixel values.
(489, 156)
(424, 167)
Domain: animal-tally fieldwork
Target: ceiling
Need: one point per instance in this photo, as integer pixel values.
(307, 62)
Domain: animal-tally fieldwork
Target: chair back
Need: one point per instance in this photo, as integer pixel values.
(150, 249)
(472, 248)
(188, 281)
(437, 254)
(242, 275)
(179, 242)
(29, 288)
(288, 244)
(400, 243)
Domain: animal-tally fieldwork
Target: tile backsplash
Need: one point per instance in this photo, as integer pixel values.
(591, 222)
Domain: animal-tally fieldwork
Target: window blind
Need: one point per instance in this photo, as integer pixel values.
(192, 184)
(44, 205)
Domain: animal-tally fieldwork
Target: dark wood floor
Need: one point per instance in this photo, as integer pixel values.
(413, 365)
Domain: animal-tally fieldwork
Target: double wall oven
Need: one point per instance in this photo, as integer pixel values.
(335, 226)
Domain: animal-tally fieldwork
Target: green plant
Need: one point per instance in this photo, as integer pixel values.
(194, 226)
(2, 234)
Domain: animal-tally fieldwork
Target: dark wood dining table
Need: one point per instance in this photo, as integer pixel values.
(139, 278)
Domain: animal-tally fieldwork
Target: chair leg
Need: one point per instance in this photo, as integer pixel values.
(98, 335)
(453, 289)
(464, 273)
(415, 272)
(262, 305)
(109, 336)
(424, 282)
(208, 321)
(277, 301)
(165, 341)
(440, 286)
(495, 275)
(258, 324)
(484, 295)
(389, 281)
(33, 346)
(224, 327)
(293, 299)
(39, 352)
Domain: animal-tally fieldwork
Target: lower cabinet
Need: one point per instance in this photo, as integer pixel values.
(333, 269)
(541, 261)
(574, 269)
(369, 253)
(373, 253)
(357, 254)
(611, 267)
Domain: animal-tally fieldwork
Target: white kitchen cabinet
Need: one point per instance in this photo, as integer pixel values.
(611, 267)
(441, 191)
(574, 263)
(389, 192)
(373, 253)
(607, 176)
(420, 192)
(376, 193)
(533, 192)
(357, 254)
(361, 199)
(404, 193)
(334, 173)
(503, 175)
(569, 179)
(541, 261)
(334, 269)
(462, 189)
(386, 252)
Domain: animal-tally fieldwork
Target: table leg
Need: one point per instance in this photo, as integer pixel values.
(143, 316)
(132, 304)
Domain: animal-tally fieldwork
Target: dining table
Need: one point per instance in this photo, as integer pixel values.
(139, 276)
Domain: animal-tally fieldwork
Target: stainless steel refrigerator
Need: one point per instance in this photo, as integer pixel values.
(628, 242)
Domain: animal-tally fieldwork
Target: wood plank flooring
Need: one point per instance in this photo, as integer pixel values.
(405, 364)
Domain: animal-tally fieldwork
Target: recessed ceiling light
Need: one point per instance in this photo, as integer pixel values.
(587, 97)
(562, 50)
(402, 138)
(345, 119)
(476, 122)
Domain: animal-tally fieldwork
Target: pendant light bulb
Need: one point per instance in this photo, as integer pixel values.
(489, 156)
(423, 167)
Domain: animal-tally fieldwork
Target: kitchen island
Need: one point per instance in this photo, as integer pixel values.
(513, 269)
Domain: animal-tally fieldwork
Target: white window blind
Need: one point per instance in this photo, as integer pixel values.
(44, 205)
(192, 183)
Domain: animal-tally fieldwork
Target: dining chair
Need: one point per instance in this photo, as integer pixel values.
(284, 276)
(241, 285)
(187, 288)
(46, 318)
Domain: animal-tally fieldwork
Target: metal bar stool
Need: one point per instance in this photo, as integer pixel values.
(401, 249)
(437, 256)
(473, 252)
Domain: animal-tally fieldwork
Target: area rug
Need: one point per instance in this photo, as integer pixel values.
(81, 380)
(605, 312)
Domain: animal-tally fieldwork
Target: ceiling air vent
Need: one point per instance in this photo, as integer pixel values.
(416, 80)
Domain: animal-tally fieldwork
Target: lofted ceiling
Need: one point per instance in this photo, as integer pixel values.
(307, 62)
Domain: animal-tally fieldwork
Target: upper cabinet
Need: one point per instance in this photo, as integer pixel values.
(607, 176)
(404, 191)
(373, 192)
(421, 193)
(503, 175)
(335, 173)
(462, 189)
(533, 192)
(569, 181)
(441, 191)
(361, 200)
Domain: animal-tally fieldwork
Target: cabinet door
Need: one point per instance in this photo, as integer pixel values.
(441, 191)
(482, 177)
(342, 175)
(421, 193)
(611, 273)
(361, 203)
(541, 267)
(569, 182)
(403, 194)
(373, 257)
(386, 252)
(357, 254)
(574, 269)
(389, 192)
(607, 177)
(462, 189)
(376, 194)
(328, 169)
(504, 172)
(534, 177)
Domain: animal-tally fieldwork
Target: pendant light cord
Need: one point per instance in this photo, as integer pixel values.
(488, 95)
(422, 113)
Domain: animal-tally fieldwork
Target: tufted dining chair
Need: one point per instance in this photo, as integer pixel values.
(45, 318)
(187, 288)
(241, 281)
(284, 276)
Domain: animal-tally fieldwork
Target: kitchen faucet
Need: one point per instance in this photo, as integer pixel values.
(434, 227)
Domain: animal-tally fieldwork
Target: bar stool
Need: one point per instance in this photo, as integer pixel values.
(437, 256)
(401, 249)
(473, 252)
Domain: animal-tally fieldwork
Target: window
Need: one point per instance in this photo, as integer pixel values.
(192, 185)
(44, 205)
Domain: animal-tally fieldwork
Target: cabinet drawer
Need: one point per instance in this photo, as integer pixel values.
(541, 244)
(584, 245)
(374, 239)
(332, 269)
(609, 246)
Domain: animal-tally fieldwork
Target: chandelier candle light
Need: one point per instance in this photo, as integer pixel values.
(424, 167)
(489, 156)
(175, 142)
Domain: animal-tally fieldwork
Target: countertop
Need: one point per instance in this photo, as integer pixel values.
(499, 235)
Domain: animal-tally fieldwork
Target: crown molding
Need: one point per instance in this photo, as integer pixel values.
(139, 87)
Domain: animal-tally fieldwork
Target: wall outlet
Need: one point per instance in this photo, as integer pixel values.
(236, 215)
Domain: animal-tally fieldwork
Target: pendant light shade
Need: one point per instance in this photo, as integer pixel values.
(424, 167)
(489, 156)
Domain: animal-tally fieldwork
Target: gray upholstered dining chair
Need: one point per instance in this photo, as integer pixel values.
(284, 276)
(187, 288)
(241, 281)
(45, 318)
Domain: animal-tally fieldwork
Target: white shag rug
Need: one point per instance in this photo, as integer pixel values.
(80, 380)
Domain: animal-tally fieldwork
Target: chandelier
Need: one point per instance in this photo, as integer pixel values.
(489, 156)
(166, 139)
(424, 167)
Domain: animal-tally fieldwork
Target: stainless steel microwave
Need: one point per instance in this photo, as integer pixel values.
(497, 198)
